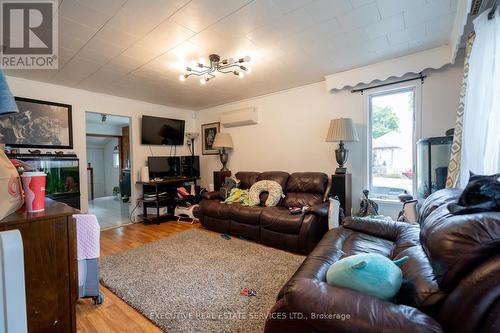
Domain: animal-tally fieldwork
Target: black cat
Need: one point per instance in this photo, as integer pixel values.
(482, 194)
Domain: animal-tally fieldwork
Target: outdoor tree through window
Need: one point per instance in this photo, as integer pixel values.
(391, 142)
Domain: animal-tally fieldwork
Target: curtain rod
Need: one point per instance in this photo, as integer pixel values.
(361, 90)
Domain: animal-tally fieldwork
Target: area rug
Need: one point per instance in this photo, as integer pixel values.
(191, 282)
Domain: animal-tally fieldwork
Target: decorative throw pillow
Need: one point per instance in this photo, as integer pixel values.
(238, 196)
(369, 273)
(270, 186)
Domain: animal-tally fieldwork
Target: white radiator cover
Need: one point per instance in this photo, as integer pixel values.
(12, 291)
(240, 117)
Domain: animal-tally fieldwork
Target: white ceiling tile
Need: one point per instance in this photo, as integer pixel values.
(392, 7)
(199, 14)
(432, 10)
(288, 5)
(360, 17)
(75, 71)
(439, 24)
(321, 10)
(108, 7)
(101, 46)
(255, 14)
(385, 26)
(144, 46)
(93, 56)
(78, 12)
(70, 42)
(116, 36)
(398, 37)
(165, 36)
(295, 21)
(359, 3)
(139, 53)
(75, 29)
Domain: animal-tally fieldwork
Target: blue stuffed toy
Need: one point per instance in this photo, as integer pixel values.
(371, 274)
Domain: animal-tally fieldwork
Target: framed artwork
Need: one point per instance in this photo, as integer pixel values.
(38, 124)
(208, 133)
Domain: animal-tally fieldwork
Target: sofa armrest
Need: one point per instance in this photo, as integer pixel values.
(378, 227)
(321, 307)
(211, 195)
(319, 209)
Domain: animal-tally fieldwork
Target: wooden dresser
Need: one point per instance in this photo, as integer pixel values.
(50, 266)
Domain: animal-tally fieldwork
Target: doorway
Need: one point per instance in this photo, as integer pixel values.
(108, 168)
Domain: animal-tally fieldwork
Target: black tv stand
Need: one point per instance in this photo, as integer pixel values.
(165, 192)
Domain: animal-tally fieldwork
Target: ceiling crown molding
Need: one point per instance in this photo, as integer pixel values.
(397, 67)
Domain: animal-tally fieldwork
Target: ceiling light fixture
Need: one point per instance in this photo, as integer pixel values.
(225, 66)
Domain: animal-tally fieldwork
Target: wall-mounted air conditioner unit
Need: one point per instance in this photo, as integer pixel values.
(241, 117)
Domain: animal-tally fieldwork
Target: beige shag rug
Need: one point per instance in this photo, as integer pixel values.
(191, 282)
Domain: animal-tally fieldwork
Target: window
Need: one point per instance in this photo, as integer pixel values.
(116, 157)
(391, 143)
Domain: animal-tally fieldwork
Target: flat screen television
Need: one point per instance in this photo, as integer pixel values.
(162, 131)
(164, 166)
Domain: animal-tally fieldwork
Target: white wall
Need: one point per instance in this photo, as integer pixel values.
(83, 100)
(111, 172)
(95, 156)
(290, 135)
(103, 129)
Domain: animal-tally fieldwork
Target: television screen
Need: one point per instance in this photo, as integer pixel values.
(164, 166)
(162, 131)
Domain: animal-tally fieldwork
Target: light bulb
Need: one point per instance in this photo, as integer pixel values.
(182, 78)
(230, 60)
(241, 75)
(203, 80)
(247, 58)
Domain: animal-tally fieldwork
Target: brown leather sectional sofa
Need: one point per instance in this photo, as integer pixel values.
(451, 281)
(274, 226)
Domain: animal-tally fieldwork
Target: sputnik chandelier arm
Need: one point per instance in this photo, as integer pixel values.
(225, 66)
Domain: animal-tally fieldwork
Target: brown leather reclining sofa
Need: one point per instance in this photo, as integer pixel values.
(274, 226)
(451, 281)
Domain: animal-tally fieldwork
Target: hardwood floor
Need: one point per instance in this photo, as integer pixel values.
(114, 315)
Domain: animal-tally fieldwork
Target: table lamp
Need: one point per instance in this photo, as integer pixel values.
(7, 103)
(341, 130)
(223, 141)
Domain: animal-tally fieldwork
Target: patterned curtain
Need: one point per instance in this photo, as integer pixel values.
(456, 147)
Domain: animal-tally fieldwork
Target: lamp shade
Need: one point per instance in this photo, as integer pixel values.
(7, 102)
(223, 140)
(342, 129)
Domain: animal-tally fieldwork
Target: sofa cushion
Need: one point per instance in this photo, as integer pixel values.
(419, 288)
(305, 189)
(246, 178)
(455, 244)
(279, 219)
(307, 182)
(278, 176)
(215, 208)
(245, 214)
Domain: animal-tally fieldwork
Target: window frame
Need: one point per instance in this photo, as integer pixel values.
(416, 87)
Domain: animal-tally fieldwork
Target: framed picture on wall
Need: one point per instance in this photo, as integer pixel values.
(38, 124)
(208, 133)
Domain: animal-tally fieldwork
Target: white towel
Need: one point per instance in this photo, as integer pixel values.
(87, 236)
